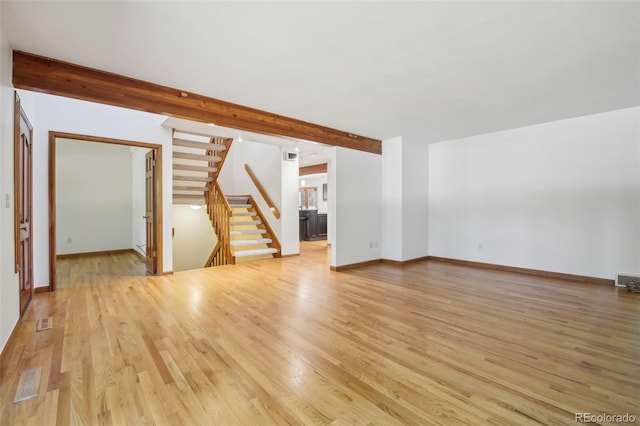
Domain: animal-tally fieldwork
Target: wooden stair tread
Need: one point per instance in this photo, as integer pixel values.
(202, 157)
(193, 178)
(237, 243)
(244, 222)
(254, 252)
(190, 188)
(192, 168)
(188, 196)
(248, 232)
(198, 145)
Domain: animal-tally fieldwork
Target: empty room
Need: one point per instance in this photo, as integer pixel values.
(367, 213)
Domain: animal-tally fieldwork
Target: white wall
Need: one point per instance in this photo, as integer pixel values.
(194, 238)
(561, 196)
(405, 199)
(356, 179)
(138, 200)
(290, 239)
(391, 233)
(93, 197)
(415, 199)
(331, 203)
(9, 298)
(92, 119)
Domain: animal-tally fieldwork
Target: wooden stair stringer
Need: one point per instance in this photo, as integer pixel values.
(275, 243)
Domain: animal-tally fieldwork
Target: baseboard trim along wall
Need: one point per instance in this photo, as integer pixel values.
(93, 253)
(536, 272)
(404, 262)
(44, 289)
(374, 261)
(459, 262)
(355, 265)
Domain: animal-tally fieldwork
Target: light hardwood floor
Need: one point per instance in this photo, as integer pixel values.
(286, 341)
(91, 269)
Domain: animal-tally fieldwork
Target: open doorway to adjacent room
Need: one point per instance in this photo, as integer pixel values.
(313, 202)
(105, 216)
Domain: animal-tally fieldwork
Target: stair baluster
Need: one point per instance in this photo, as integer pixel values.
(217, 206)
(220, 215)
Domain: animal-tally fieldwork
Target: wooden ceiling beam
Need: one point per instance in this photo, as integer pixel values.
(46, 75)
(310, 170)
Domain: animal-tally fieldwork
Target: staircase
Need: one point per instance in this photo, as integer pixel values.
(197, 160)
(242, 231)
(251, 238)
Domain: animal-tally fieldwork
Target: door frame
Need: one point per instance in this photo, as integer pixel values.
(157, 214)
(18, 163)
(150, 205)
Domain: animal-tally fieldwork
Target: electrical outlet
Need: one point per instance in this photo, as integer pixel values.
(7, 201)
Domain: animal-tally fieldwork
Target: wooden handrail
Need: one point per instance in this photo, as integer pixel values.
(262, 191)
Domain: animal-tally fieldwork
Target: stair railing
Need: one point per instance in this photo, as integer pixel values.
(222, 154)
(262, 191)
(220, 215)
(219, 210)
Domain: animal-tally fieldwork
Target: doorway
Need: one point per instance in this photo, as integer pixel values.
(153, 197)
(313, 211)
(23, 190)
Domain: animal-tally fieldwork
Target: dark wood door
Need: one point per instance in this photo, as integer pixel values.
(150, 210)
(23, 194)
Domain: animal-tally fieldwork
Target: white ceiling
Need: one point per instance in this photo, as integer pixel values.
(425, 70)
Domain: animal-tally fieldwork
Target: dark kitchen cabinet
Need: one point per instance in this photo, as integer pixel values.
(313, 226)
(321, 225)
